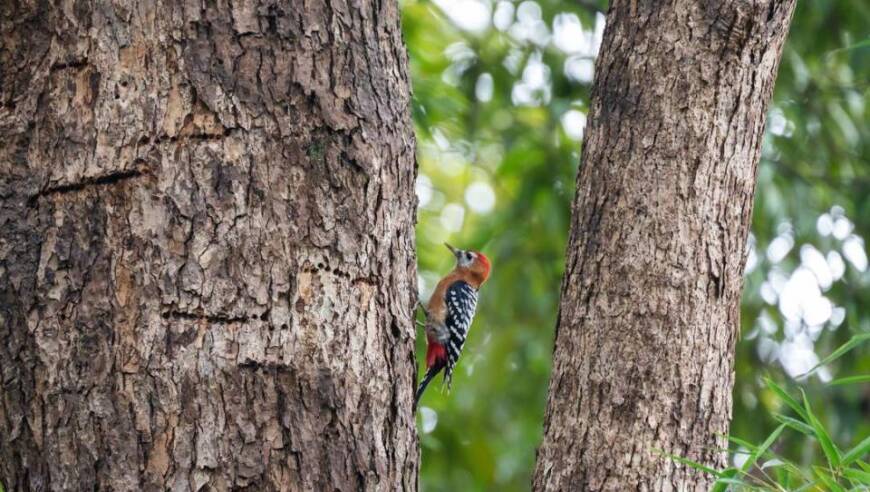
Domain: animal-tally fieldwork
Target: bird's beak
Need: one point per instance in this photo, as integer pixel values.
(452, 250)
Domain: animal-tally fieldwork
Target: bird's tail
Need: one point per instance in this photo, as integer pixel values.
(430, 374)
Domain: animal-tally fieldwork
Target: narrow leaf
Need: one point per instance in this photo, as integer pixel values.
(857, 476)
(810, 486)
(858, 451)
(828, 446)
(772, 463)
(735, 481)
(791, 402)
(761, 449)
(864, 378)
(740, 442)
(693, 464)
(841, 350)
(860, 44)
(726, 478)
(827, 479)
(794, 424)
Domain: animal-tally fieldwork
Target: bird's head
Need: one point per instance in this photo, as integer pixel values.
(474, 262)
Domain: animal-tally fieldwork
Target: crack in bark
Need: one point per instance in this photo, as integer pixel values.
(223, 319)
(69, 64)
(191, 136)
(103, 180)
(266, 366)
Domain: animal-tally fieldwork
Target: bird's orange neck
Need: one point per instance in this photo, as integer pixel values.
(476, 273)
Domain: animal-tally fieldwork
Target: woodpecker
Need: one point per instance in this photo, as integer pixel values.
(448, 316)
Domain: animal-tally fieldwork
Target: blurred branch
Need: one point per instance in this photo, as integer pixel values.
(814, 179)
(861, 44)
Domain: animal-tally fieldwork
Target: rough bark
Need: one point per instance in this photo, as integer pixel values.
(206, 246)
(644, 349)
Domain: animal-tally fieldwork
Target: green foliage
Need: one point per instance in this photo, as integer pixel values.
(496, 111)
(839, 470)
(489, 426)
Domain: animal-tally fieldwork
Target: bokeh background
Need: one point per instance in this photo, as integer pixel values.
(501, 91)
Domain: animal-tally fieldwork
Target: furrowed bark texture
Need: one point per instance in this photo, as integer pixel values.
(643, 362)
(206, 246)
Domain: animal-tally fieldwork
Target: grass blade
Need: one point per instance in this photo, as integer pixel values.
(791, 402)
(794, 424)
(864, 378)
(857, 476)
(860, 44)
(741, 442)
(809, 486)
(858, 451)
(841, 350)
(827, 479)
(761, 449)
(726, 478)
(693, 464)
(828, 446)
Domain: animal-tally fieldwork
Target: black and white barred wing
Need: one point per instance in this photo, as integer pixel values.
(461, 305)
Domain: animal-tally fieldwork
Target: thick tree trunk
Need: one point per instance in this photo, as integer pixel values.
(206, 246)
(643, 361)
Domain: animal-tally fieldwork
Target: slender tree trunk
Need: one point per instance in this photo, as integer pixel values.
(206, 246)
(643, 362)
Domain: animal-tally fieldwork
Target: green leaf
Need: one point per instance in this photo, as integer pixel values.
(864, 378)
(773, 463)
(857, 476)
(841, 350)
(794, 424)
(735, 481)
(761, 449)
(858, 451)
(791, 402)
(826, 478)
(860, 44)
(808, 486)
(740, 442)
(726, 478)
(783, 477)
(828, 446)
(797, 471)
(693, 464)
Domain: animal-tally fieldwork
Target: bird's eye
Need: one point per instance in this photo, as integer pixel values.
(468, 256)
